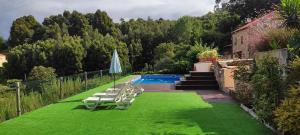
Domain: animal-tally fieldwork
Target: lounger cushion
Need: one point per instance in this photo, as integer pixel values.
(113, 89)
(104, 94)
(92, 99)
(107, 99)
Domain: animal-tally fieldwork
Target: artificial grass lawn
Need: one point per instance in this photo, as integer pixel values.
(151, 114)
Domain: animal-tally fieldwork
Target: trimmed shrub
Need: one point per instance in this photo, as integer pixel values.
(38, 77)
(287, 115)
(42, 73)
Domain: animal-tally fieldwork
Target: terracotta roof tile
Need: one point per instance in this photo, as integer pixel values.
(255, 21)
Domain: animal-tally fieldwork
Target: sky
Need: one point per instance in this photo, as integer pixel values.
(117, 9)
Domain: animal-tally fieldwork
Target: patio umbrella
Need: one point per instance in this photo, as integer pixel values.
(115, 66)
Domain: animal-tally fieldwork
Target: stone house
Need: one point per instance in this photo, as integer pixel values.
(246, 39)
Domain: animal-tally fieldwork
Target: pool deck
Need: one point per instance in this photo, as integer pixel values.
(207, 95)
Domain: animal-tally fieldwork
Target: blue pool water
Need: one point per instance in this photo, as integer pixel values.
(157, 79)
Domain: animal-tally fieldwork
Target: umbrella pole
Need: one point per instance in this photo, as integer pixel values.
(114, 82)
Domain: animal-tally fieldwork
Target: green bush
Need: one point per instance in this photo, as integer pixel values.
(38, 77)
(294, 46)
(198, 48)
(287, 115)
(290, 11)
(3, 89)
(178, 58)
(42, 73)
(294, 72)
(180, 67)
(243, 91)
(163, 64)
(267, 87)
(23, 58)
(208, 54)
(281, 36)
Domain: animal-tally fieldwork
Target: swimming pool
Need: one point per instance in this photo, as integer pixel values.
(157, 79)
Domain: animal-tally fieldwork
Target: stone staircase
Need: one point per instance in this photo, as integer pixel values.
(197, 81)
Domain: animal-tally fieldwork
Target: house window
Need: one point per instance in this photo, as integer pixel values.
(242, 40)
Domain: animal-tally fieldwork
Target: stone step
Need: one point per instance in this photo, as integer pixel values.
(198, 82)
(195, 73)
(201, 73)
(189, 77)
(197, 87)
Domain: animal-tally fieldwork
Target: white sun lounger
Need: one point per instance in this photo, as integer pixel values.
(105, 95)
(121, 97)
(110, 92)
(93, 102)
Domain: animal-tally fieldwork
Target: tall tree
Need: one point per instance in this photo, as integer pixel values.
(22, 59)
(217, 28)
(187, 30)
(77, 24)
(149, 33)
(99, 51)
(102, 22)
(23, 30)
(135, 49)
(56, 19)
(248, 8)
(2, 43)
(68, 55)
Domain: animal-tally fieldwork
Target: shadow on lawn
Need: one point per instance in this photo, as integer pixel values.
(211, 121)
(202, 117)
(99, 108)
(70, 101)
(193, 118)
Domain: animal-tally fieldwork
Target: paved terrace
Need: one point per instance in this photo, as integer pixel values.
(207, 95)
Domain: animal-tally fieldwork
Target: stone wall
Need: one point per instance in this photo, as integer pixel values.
(224, 72)
(280, 54)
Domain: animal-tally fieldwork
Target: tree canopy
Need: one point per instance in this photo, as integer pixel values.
(73, 42)
(23, 30)
(247, 8)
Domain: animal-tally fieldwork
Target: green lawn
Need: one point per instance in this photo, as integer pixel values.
(150, 114)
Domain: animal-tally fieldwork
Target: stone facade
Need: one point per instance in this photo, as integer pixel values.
(247, 38)
(224, 72)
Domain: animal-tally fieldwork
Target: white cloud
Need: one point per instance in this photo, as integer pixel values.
(168, 9)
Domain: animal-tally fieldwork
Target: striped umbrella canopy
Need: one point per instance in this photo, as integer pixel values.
(115, 66)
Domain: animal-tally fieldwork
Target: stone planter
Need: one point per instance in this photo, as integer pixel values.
(202, 66)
